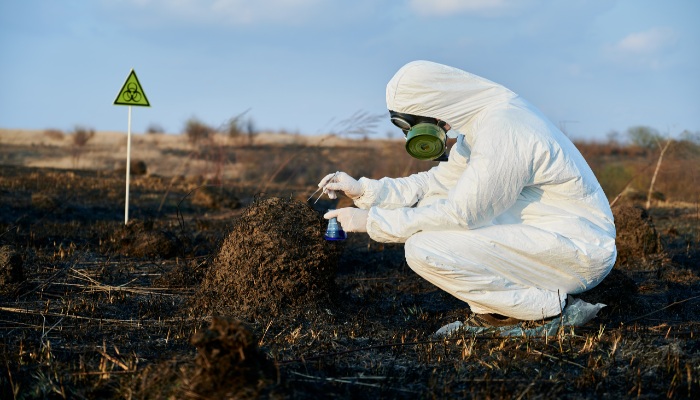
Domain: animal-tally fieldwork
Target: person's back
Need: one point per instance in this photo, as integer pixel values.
(561, 183)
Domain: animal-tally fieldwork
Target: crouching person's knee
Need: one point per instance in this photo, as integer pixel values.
(410, 248)
(415, 249)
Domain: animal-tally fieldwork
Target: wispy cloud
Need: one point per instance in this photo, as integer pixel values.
(646, 48)
(482, 8)
(224, 12)
(648, 42)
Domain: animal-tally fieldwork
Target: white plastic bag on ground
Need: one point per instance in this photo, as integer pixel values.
(576, 313)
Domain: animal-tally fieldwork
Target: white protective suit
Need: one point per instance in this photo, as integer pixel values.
(514, 221)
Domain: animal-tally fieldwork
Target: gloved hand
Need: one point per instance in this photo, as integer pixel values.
(350, 218)
(343, 182)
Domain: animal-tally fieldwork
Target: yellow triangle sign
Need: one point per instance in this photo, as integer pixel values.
(132, 93)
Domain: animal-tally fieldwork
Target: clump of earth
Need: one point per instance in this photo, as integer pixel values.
(636, 235)
(228, 364)
(142, 239)
(11, 267)
(136, 167)
(274, 262)
(215, 198)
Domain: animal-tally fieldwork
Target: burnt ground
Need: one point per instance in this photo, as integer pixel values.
(90, 308)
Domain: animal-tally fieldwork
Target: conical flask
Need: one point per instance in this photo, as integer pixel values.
(334, 230)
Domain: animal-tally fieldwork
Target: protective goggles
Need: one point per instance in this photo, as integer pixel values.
(426, 137)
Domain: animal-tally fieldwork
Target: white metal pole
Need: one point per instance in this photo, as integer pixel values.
(128, 168)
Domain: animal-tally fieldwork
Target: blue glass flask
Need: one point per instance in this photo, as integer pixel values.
(334, 230)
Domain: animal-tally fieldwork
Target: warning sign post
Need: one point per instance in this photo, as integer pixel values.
(131, 94)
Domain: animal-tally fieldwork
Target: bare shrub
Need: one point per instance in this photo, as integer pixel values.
(54, 134)
(197, 130)
(234, 126)
(361, 123)
(154, 128)
(251, 131)
(80, 137)
(238, 127)
(232, 129)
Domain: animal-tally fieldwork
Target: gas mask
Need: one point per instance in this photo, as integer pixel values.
(426, 137)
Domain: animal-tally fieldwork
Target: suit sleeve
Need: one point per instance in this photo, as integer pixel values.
(393, 193)
(499, 168)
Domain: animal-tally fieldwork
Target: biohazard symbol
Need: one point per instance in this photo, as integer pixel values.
(132, 93)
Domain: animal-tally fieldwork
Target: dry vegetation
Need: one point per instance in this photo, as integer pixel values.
(90, 308)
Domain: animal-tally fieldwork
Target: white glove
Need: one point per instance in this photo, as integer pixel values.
(343, 182)
(350, 218)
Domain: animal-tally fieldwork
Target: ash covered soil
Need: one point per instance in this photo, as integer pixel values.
(239, 296)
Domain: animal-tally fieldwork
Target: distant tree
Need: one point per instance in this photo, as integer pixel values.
(689, 144)
(644, 136)
(691, 137)
(154, 128)
(197, 130)
(250, 130)
(81, 135)
(613, 137)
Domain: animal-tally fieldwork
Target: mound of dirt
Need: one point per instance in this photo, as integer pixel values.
(11, 271)
(183, 275)
(136, 167)
(140, 239)
(228, 364)
(274, 262)
(636, 234)
(44, 202)
(215, 197)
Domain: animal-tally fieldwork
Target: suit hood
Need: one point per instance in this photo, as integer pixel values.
(435, 90)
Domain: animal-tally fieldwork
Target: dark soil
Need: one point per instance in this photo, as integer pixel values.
(11, 271)
(228, 363)
(636, 235)
(274, 261)
(245, 300)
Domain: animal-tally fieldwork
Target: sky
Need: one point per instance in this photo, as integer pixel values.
(305, 66)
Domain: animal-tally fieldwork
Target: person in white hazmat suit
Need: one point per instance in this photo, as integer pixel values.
(512, 222)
